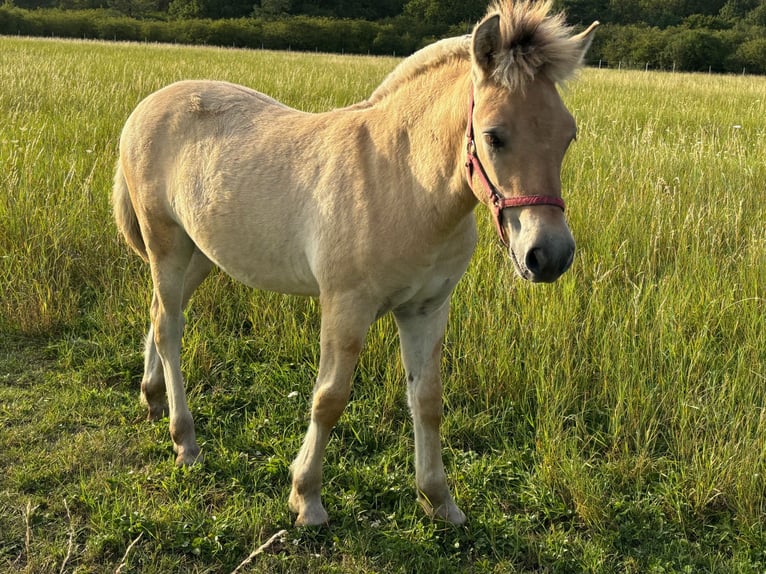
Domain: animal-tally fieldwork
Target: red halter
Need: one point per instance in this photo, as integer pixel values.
(497, 201)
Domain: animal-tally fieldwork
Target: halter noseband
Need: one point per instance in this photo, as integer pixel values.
(497, 201)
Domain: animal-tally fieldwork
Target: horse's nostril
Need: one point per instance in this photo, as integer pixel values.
(535, 260)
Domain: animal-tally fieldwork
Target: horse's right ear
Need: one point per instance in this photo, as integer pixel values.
(486, 44)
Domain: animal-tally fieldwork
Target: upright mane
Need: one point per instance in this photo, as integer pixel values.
(533, 41)
(424, 59)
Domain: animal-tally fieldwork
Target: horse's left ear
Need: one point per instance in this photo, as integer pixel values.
(585, 38)
(486, 44)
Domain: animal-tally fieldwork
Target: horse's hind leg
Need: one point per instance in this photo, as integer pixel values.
(170, 252)
(344, 324)
(421, 333)
(153, 393)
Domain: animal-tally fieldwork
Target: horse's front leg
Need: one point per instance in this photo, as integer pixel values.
(421, 334)
(344, 324)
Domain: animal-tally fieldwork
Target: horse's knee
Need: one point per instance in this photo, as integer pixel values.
(425, 401)
(328, 404)
(167, 335)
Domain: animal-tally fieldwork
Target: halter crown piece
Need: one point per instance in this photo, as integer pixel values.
(497, 201)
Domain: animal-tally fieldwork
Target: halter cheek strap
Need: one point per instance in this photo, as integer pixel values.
(496, 201)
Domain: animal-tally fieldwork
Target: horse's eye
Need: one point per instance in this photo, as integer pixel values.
(493, 141)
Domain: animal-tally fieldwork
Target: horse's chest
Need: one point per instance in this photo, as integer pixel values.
(423, 288)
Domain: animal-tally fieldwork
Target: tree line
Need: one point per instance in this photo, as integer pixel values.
(690, 35)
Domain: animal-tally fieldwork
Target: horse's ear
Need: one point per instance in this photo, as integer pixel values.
(486, 43)
(585, 38)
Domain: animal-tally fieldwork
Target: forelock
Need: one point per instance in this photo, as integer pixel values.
(533, 41)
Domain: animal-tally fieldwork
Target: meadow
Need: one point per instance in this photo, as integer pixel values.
(614, 421)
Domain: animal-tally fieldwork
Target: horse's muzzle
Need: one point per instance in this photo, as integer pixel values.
(544, 263)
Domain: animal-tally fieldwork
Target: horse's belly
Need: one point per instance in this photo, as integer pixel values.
(271, 279)
(266, 273)
(271, 263)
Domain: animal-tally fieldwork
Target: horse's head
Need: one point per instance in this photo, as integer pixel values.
(521, 130)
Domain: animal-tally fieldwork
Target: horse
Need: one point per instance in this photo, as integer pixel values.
(369, 208)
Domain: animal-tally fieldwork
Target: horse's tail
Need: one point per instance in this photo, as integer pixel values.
(125, 214)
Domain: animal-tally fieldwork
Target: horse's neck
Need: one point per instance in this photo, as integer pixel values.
(432, 114)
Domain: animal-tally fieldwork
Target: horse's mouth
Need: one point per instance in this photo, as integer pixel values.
(521, 270)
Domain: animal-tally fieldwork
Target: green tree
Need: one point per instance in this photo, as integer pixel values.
(751, 56)
(635, 45)
(445, 11)
(695, 50)
(625, 12)
(735, 10)
(269, 8)
(367, 9)
(134, 8)
(757, 15)
(81, 4)
(183, 9)
(583, 11)
(228, 9)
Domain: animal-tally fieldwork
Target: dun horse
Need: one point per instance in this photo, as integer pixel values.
(369, 208)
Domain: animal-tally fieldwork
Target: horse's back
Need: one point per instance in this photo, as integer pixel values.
(190, 110)
(190, 116)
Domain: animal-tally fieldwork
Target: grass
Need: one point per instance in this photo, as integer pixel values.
(611, 422)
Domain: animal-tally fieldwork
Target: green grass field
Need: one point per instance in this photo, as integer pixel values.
(612, 422)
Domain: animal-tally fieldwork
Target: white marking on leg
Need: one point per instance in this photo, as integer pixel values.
(421, 337)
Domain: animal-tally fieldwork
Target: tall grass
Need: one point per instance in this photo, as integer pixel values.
(611, 422)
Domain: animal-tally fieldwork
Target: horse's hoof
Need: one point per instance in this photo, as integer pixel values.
(308, 514)
(449, 512)
(312, 518)
(188, 457)
(155, 414)
(155, 409)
